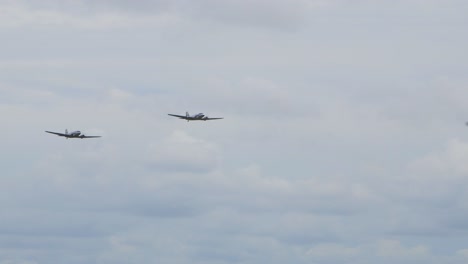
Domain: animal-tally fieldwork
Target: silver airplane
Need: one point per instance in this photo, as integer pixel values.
(197, 117)
(74, 134)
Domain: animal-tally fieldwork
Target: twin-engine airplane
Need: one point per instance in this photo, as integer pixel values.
(74, 134)
(197, 117)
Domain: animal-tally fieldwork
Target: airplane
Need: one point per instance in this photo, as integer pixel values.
(197, 117)
(74, 134)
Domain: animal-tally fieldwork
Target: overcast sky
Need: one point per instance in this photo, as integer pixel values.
(343, 139)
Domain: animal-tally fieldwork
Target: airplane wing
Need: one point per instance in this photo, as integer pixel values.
(213, 118)
(83, 136)
(179, 116)
(58, 134)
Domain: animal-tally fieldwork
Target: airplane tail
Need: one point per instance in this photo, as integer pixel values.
(66, 131)
(187, 114)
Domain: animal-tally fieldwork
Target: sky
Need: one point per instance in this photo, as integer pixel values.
(343, 138)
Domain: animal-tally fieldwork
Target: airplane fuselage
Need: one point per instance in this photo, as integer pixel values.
(197, 117)
(74, 134)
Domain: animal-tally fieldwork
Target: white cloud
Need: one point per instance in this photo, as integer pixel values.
(333, 250)
(463, 252)
(17, 15)
(275, 14)
(449, 162)
(343, 139)
(17, 262)
(393, 248)
(180, 152)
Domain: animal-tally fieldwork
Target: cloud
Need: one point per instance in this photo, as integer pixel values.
(104, 14)
(9, 261)
(449, 162)
(181, 152)
(257, 97)
(463, 252)
(392, 248)
(330, 250)
(384, 250)
(269, 14)
(24, 14)
(343, 139)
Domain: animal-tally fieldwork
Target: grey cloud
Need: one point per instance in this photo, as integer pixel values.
(181, 152)
(259, 13)
(343, 139)
(83, 6)
(274, 14)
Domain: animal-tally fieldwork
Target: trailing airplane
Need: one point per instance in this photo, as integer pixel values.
(74, 134)
(197, 117)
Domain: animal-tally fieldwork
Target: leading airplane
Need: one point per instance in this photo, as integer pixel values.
(197, 117)
(74, 134)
